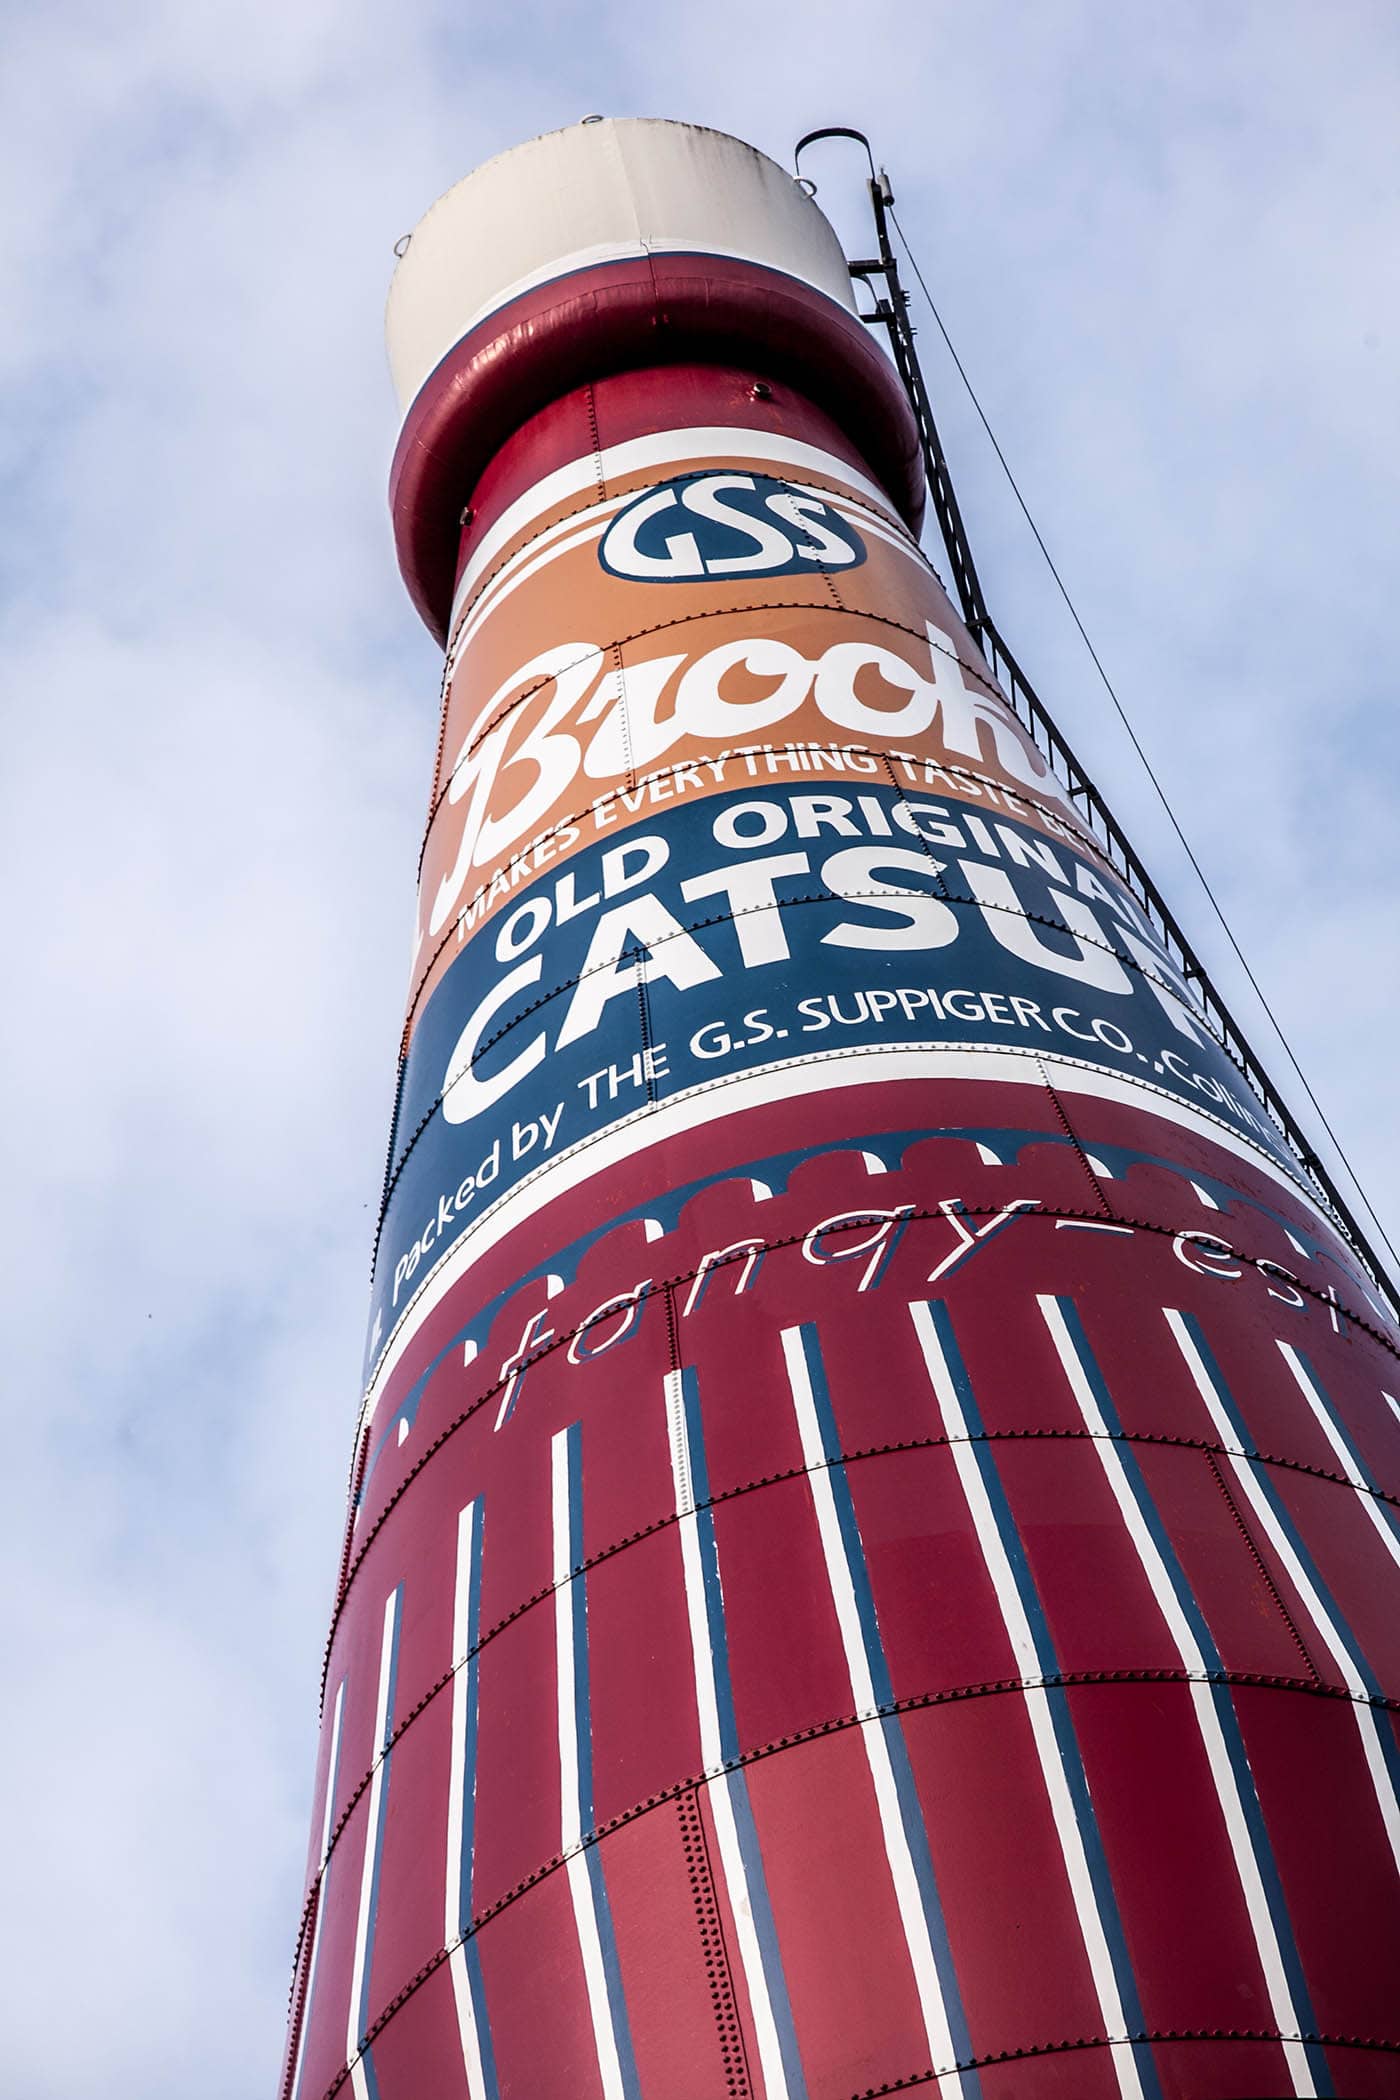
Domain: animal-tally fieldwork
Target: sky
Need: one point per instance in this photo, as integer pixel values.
(1164, 241)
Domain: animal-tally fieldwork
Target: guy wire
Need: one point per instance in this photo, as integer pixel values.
(1143, 759)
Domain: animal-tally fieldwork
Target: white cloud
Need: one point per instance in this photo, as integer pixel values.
(1161, 245)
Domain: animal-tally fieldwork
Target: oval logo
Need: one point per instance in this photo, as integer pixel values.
(721, 525)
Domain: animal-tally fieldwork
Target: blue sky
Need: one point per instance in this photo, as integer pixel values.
(1164, 242)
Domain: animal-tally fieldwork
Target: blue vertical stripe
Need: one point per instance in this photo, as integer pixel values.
(467, 1778)
(735, 1781)
(910, 1811)
(1221, 1697)
(1057, 1698)
(578, 1614)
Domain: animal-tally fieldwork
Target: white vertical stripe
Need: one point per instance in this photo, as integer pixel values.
(1037, 1702)
(872, 1733)
(564, 1642)
(570, 1833)
(376, 1787)
(712, 1749)
(468, 1522)
(1227, 1785)
(1368, 1724)
(590, 1947)
(332, 1766)
(1323, 1413)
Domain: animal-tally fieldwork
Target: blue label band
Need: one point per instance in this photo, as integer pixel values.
(755, 929)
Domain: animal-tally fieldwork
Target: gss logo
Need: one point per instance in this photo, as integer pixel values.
(718, 525)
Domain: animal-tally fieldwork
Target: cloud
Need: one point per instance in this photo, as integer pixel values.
(1159, 248)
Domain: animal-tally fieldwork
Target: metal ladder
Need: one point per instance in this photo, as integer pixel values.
(891, 311)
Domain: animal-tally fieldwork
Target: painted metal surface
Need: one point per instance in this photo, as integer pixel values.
(596, 193)
(873, 1552)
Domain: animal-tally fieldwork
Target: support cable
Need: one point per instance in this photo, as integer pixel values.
(1146, 763)
(891, 313)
